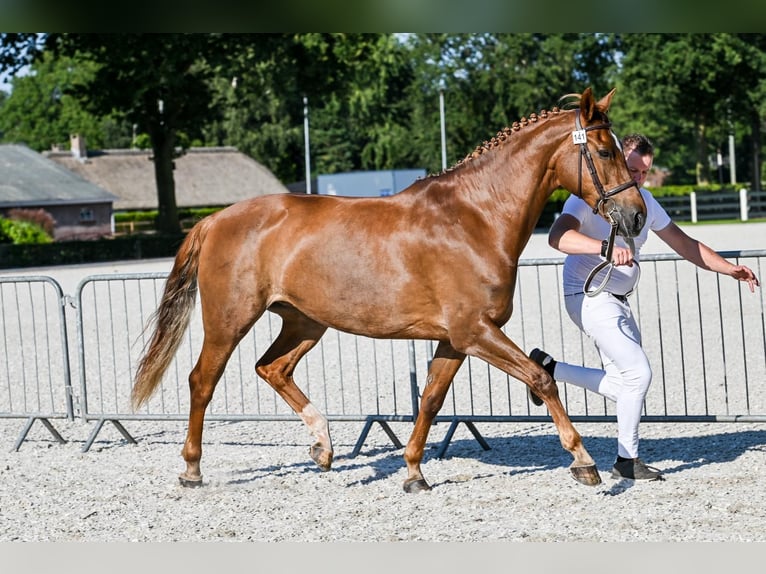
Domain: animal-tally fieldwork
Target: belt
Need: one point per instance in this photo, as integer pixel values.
(623, 298)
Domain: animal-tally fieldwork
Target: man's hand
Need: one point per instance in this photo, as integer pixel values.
(622, 256)
(744, 273)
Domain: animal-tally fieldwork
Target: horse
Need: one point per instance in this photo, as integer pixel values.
(436, 261)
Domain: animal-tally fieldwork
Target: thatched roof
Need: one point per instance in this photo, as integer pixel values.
(204, 177)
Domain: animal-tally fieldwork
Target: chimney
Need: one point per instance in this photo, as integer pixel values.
(79, 150)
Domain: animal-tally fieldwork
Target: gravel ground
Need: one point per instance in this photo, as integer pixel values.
(260, 484)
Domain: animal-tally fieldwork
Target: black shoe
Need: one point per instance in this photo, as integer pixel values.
(635, 469)
(546, 362)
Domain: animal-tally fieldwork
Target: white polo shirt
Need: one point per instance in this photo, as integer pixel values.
(623, 278)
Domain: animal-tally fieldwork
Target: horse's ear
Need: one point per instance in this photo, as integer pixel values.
(606, 101)
(587, 105)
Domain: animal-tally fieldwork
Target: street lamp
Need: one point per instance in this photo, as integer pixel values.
(719, 161)
(443, 125)
(306, 143)
(732, 163)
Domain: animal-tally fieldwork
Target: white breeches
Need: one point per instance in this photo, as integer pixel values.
(626, 375)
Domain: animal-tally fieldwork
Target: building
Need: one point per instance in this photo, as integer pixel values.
(368, 183)
(204, 177)
(29, 180)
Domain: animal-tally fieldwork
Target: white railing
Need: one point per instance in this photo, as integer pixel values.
(742, 205)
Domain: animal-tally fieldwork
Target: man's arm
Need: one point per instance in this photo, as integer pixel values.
(565, 236)
(703, 256)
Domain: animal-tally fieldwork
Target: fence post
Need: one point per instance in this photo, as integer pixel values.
(693, 201)
(743, 204)
(414, 390)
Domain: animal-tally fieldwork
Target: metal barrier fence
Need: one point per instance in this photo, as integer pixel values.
(35, 381)
(705, 335)
(348, 378)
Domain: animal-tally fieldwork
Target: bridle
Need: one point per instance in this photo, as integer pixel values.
(580, 137)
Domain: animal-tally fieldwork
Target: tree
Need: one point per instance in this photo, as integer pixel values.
(374, 98)
(42, 112)
(746, 54)
(687, 91)
(492, 80)
(354, 84)
(18, 50)
(159, 82)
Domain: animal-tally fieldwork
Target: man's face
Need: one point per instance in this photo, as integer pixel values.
(639, 166)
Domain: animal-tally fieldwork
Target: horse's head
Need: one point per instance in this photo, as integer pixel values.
(607, 186)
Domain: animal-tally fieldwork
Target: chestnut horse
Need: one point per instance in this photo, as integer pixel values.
(436, 261)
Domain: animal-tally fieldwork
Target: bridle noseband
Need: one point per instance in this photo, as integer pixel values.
(579, 136)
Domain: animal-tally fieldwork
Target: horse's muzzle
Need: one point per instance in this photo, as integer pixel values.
(630, 222)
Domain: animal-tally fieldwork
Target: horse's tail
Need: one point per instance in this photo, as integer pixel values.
(172, 317)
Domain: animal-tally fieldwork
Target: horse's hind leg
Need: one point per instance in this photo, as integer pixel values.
(202, 382)
(445, 364)
(298, 335)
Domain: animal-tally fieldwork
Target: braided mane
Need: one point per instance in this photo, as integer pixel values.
(502, 136)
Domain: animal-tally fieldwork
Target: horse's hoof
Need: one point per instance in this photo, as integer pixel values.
(321, 456)
(587, 474)
(190, 482)
(413, 486)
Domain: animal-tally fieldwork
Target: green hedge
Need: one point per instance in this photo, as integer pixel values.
(151, 215)
(77, 252)
(22, 232)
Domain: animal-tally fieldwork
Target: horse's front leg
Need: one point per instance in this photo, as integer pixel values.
(494, 347)
(445, 364)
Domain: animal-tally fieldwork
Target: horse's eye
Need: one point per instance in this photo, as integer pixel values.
(605, 154)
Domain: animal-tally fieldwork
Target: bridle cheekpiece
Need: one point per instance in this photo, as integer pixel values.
(580, 137)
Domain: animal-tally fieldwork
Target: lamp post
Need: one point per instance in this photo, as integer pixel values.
(719, 161)
(443, 124)
(444, 167)
(306, 143)
(732, 168)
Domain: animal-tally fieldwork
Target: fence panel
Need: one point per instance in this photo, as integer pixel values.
(346, 377)
(704, 333)
(35, 379)
(756, 203)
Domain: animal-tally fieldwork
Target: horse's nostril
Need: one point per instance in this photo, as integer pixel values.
(639, 221)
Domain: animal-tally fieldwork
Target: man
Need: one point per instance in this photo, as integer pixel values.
(606, 317)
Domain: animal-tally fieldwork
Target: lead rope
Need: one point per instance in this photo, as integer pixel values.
(608, 263)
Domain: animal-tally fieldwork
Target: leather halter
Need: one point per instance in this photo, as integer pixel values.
(579, 136)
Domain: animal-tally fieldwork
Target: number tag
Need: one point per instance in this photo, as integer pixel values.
(579, 137)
